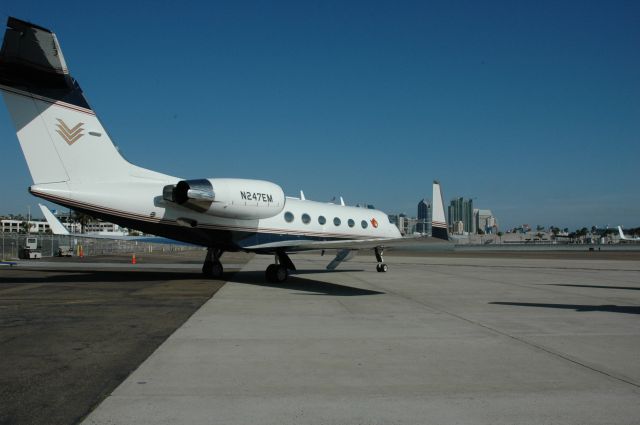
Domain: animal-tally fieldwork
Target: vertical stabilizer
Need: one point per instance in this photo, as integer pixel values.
(60, 135)
(438, 219)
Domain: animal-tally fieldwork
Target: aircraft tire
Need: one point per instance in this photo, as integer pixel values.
(382, 268)
(207, 268)
(270, 273)
(217, 270)
(281, 273)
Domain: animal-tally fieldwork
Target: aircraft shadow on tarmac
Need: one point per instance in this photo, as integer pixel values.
(294, 283)
(579, 307)
(304, 285)
(85, 276)
(629, 288)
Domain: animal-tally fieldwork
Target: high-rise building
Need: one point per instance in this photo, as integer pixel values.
(423, 224)
(461, 210)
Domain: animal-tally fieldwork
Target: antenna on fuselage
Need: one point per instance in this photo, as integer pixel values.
(302, 196)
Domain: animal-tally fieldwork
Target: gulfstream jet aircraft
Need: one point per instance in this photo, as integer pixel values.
(74, 163)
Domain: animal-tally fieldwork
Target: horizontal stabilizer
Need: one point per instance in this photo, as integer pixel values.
(31, 56)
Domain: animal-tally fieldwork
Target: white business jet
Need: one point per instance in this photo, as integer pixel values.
(74, 163)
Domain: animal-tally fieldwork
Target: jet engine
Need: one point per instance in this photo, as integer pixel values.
(230, 198)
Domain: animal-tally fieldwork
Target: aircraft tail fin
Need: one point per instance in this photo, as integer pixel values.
(622, 236)
(438, 219)
(60, 135)
(56, 227)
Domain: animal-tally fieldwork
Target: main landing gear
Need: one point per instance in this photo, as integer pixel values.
(279, 271)
(381, 267)
(212, 266)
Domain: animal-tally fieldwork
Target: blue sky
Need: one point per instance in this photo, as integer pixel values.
(532, 108)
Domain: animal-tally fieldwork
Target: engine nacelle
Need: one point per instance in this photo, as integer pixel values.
(230, 198)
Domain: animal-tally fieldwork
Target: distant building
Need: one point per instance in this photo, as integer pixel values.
(423, 223)
(11, 226)
(403, 224)
(16, 226)
(457, 228)
(461, 210)
(485, 221)
(103, 227)
(406, 225)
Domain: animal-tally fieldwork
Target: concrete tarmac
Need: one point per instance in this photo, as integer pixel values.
(72, 330)
(435, 340)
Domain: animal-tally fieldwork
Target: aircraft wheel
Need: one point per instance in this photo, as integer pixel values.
(270, 274)
(382, 268)
(207, 268)
(281, 273)
(217, 270)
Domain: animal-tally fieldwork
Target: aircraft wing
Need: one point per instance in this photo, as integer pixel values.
(351, 244)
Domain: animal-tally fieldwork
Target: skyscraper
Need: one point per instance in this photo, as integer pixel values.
(424, 217)
(461, 210)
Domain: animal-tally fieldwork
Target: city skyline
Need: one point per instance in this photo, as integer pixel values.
(530, 109)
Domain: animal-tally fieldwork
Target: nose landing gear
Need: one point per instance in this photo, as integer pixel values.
(381, 267)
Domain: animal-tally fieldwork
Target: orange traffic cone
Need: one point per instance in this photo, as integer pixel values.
(133, 259)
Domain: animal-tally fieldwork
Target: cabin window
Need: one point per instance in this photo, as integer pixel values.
(364, 224)
(288, 217)
(322, 220)
(351, 223)
(306, 219)
(336, 221)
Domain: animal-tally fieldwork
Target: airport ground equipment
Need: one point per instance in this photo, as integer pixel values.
(65, 251)
(30, 250)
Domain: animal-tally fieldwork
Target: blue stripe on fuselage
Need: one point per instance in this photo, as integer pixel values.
(257, 239)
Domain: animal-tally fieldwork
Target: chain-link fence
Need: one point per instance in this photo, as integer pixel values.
(51, 245)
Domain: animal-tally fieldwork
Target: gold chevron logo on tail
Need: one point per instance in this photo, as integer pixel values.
(70, 135)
